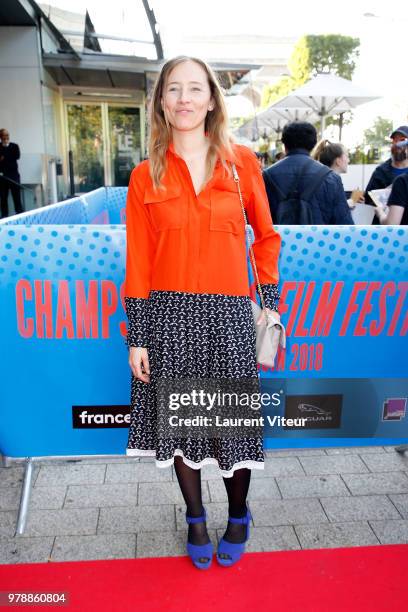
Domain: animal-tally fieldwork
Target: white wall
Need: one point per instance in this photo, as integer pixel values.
(357, 176)
(20, 98)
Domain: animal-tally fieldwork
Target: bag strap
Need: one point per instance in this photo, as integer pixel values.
(315, 183)
(294, 185)
(251, 251)
(281, 195)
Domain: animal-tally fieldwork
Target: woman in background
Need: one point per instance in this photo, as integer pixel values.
(335, 156)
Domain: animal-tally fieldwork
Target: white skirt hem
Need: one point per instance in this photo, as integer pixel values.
(248, 463)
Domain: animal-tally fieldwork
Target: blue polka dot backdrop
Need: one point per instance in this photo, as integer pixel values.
(344, 306)
(65, 373)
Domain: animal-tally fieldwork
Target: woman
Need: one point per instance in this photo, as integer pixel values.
(186, 290)
(335, 156)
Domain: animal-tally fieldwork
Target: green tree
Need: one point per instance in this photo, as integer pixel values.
(325, 53)
(378, 134)
(281, 89)
(313, 54)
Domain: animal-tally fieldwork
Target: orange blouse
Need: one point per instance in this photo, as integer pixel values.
(180, 241)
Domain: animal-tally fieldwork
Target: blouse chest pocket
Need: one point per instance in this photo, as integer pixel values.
(226, 211)
(164, 207)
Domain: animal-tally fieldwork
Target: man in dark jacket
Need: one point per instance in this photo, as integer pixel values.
(328, 203)
(385, 173)
(9, 175)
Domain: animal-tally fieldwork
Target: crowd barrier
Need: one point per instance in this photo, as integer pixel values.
(65, 384)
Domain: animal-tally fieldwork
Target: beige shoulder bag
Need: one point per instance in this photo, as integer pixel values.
(271, 332)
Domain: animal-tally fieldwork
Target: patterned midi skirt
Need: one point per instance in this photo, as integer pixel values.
(195, 336)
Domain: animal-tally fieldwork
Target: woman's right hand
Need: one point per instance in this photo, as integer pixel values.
(139, 363)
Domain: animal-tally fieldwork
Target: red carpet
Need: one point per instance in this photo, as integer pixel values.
(363, 579)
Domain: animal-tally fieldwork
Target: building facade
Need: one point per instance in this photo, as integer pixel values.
(77, 112)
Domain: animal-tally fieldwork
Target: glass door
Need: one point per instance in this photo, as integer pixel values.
(105, 142)
(86, 141)
(125, 142)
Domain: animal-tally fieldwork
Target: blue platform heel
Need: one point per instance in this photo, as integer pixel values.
(201, 555)
(234, 551)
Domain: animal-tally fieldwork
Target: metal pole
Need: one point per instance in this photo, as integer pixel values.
(25, 496)
(323, 117)
(71, 174)
(52, 178)
(322, 125)
(340, 125)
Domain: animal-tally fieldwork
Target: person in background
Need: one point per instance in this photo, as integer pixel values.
(296, 171)
(397, 207)
(280, 155)
(397, 164)
(262, 159)
(335, 156)
(9, 174)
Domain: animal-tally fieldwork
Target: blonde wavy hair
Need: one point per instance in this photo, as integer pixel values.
(216, 124)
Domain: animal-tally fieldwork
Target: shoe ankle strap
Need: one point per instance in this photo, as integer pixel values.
(241, 521)
(196, 519)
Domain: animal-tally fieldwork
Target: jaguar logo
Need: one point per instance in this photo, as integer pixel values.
(311, 408)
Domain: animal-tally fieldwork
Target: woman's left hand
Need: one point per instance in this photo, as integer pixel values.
(261, 319)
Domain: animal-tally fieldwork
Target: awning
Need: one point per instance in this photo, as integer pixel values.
(122, 72)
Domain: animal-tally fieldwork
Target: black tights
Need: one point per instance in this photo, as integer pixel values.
(237, 490)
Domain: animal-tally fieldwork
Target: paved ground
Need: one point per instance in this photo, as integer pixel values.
(126, 507)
